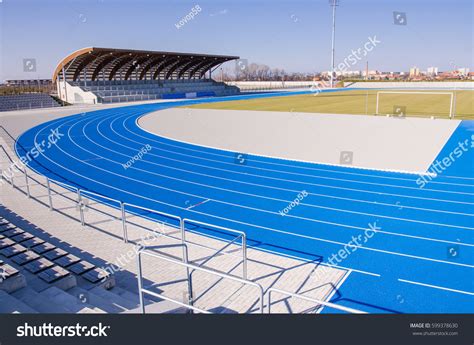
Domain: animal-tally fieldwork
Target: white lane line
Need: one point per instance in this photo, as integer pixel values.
(306, 175)
(262, 168)
(93, 159)
(231, 220)
(235, 221)
(396, 234)
(253, 195)
(198, 204)
(308, 183)
(436, 287)
(295, 191)
(260, 196)
(334, 290)
(287, 165)
(247, 175)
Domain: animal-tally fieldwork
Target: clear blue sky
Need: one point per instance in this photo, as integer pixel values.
(289, 34)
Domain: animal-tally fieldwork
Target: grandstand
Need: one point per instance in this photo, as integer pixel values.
(103, 75)
(27, 101)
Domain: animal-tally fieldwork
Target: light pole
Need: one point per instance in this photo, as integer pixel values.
(333, 3)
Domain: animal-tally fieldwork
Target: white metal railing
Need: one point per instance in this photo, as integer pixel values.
(80, 193)
(240, 234)
(163, 214)
(309, 299)
(185, 260)
(189, 266)
(81, 207)
(92, 196)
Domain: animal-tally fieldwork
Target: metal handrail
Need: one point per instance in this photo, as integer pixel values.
(86, 193)
(61, 184)
(1, 170)
(193, 267)
(220, 250)
(124, 219)
(215, 254)
(6, 153)
(99, 196)
(309, 299)
(185, 262)
(240, 233)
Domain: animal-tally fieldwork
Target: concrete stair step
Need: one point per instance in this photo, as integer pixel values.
(108, 305)
(39, 302)
(36, 283)
(124, 303)
(10, 304)
(10, 278)
(72, 303)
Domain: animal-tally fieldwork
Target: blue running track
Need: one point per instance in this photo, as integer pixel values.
(420, 259)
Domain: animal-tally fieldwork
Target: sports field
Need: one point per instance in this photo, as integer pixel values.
(362, 102)
(406, 258)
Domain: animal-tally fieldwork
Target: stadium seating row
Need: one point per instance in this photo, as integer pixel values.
(27, 101)
(52, 265)
(141, 90)
(36, 276)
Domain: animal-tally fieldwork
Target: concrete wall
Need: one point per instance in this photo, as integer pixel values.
(270, 84)
(75, 95)
(413, 85)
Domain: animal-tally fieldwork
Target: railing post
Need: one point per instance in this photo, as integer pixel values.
(140, 287)
(79, 204)
(124, 222)
(186, 261)
(269, 301)
(183, 236)
(27, 184)
(189, 276)
(244, 254)
(49, 194)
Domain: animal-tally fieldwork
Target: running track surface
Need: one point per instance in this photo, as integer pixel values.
(420, 260)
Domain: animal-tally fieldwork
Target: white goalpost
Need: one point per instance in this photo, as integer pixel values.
(451, 104)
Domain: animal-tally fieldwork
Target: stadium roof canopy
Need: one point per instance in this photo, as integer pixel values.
(125, 64)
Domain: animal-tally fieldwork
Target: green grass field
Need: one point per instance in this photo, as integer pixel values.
(359, 102)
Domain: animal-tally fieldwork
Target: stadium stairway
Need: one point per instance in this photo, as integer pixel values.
(38, 277)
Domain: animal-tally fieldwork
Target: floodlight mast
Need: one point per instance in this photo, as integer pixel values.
(334, 4)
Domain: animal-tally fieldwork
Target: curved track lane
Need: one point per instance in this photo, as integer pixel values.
(407, 265)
